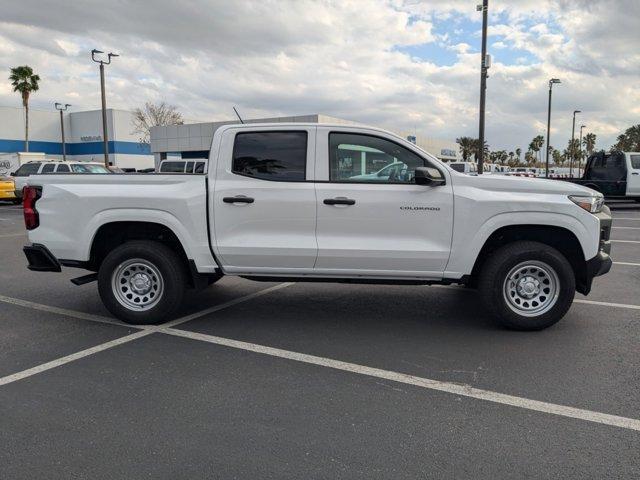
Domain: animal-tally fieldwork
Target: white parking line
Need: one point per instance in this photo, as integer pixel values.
(13, 235)
(625, 241)
(627, 228)
(144, 330)
(627, 263)
(63, 311)
(607, 304)
(448, 387)
(636, 219)
(74, 356)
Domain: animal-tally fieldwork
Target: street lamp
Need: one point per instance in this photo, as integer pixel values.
(62, 108)
(580, 146)
(551, 82)
(484, 66)
(104, 101)
(573, 134)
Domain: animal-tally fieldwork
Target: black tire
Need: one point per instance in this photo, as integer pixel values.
(154, 256)
(496, 269)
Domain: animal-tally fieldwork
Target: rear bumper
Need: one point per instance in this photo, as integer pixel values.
(41, 259)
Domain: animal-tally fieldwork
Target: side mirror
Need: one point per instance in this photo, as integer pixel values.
(429, 176)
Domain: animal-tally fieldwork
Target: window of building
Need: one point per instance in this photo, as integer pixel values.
(27, 169)
(48, 168)
(369, 159)
(276, 156)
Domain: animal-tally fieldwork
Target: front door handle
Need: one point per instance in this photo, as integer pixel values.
(635, 173)
(339, 201)
(238, 199)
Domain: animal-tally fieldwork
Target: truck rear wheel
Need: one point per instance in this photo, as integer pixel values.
(527, 285)
(142, 282)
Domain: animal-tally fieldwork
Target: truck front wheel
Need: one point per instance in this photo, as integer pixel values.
(142, 282)
(527, 285)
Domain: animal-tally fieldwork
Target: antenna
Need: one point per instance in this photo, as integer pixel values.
(239, 117)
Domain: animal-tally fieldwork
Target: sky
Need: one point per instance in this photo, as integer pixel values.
(408, 65)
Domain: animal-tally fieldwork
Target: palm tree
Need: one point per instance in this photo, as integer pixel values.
(467, 145)
(629, 141)
(589, 142)
(536, 145)
(24, 81)
(518, 153)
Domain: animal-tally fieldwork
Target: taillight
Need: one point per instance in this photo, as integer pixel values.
(29, 197)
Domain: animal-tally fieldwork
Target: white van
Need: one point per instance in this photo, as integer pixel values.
(21, 175)
(182, 166)
(470, 168)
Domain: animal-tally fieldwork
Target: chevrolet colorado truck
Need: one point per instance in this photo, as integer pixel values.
(298, 202)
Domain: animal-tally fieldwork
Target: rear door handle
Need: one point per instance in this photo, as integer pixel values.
(635, 173)
(339, 201)
(238, 199)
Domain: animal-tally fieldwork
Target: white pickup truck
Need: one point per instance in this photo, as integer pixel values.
(297, 202)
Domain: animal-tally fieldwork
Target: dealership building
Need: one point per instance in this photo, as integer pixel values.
(83, 136)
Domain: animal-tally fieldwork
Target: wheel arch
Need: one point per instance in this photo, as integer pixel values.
(560, 238)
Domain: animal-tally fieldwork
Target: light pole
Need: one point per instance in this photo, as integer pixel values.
(104, 100)
(483, 83)
(573, 134)
(62, 108)
(551, 82)
(580, 145)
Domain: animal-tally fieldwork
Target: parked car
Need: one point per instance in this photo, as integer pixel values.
(391, 172)
(279, 202)
(23, 173)
(470, 168)
(182, 166)
(614, 174)
(7, 190)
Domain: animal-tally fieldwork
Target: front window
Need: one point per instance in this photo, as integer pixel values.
(277, 156)
(88, 168)
(359, 158)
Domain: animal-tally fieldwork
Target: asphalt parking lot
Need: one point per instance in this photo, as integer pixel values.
(299, 380)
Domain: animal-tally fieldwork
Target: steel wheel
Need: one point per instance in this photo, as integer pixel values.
(137, 284)
(531, 288)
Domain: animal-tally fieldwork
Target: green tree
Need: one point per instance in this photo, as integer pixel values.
(558, 159)
(629, 141)
(25, 82)
(476, 149)
(467, 145)
(573, 151)
(518, 153)
(589, 142)
(536, 145)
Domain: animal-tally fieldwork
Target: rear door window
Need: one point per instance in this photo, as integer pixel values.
(275, 156)
(63, 168)
(48, 168)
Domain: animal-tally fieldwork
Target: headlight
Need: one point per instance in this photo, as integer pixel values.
(591, 203)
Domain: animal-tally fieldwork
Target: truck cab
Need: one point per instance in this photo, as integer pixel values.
(615, 174)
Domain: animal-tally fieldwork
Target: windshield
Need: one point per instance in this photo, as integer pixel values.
(88, 168)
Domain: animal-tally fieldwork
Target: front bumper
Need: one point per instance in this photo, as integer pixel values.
(41, 259)
(601, 263)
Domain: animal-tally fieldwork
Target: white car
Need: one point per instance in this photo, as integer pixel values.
(22, 175)
(280, 201)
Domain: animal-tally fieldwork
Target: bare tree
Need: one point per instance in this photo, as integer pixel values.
(153, 115)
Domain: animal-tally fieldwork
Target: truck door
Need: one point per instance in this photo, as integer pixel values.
(391, 228)
(633, 178)
(264, 203)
